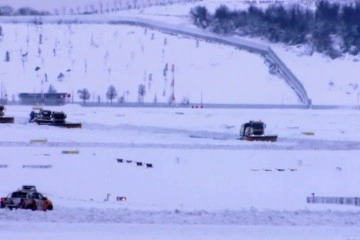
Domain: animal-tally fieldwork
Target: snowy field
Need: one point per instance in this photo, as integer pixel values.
(196, 181)
(203, 182)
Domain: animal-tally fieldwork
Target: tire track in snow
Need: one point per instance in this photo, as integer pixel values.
(282, 144)
(224, 217)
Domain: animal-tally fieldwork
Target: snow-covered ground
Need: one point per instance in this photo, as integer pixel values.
(203, 183)
(96, 56)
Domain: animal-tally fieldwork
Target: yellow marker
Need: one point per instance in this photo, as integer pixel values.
(308, 133)
(70, 152)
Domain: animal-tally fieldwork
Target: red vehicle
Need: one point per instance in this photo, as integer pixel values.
(26, 198)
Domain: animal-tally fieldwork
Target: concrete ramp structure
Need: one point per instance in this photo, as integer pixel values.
(274, 60)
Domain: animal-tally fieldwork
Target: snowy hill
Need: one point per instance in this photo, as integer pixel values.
(71, 57)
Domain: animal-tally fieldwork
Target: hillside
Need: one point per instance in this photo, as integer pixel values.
(133, 56)
(72, 57)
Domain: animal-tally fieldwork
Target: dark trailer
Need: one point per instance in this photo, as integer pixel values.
(43, 98)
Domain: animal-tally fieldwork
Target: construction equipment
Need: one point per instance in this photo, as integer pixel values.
(255, 131)
(4, 119)
(51, 118)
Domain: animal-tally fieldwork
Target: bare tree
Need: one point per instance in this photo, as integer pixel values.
(111, 93)
(141, 92)
(84, 94)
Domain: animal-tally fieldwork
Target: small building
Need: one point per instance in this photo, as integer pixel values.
(43, 98)
(3, 101)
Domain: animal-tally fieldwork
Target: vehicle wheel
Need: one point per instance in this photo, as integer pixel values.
(50, 208)
(10, 208)
(22, 204)
(33, 207)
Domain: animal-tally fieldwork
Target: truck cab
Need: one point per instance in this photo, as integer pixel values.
(255, 131)
(252, 128)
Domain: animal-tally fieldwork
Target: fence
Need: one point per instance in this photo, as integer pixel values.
(334, 200)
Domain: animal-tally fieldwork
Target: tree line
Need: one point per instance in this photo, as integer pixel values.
(23, 11)
(111, 94)
(331, 28)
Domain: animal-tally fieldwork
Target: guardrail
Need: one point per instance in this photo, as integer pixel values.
(219, 105)
(289, 77)
(264, 50)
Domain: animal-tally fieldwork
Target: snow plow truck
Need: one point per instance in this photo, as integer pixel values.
(3, 118)
(255, 131)
(51, 118)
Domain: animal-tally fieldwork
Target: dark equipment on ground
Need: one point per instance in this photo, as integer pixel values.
(3, 118)
(255, 131)
(51, 118)
(55, 99)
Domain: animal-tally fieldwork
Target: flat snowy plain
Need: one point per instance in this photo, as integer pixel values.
(203, 183)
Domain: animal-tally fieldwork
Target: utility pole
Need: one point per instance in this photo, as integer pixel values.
(2, 90)
(173, 84)
(42, 98)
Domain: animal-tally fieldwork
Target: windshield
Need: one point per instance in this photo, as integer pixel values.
(18, 195)
(258, 126)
